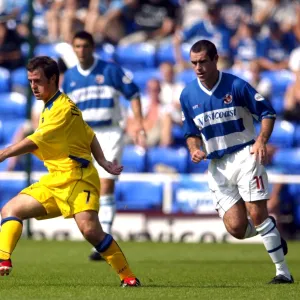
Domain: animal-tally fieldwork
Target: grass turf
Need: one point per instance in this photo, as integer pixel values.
(60, 270)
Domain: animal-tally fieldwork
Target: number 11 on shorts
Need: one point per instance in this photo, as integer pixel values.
(259, 182)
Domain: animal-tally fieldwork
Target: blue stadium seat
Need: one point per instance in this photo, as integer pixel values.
(192, 197)
(12, 106)
(136, 56)
(8, 129)
(197, 168)
(186, 76)
(46, 50)
(277, 100)
(294, 190)
(282, 135)
(177, 135)
(134, 159)
(288, 159)
(141, 77)
(4, 80)
(165, 53)
(10, 188)
(173, 158)
(19, 78)
(139, 195)
(279, 79)
(297, 136)
(106, 51)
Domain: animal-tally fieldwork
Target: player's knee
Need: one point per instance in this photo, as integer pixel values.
(237, 231)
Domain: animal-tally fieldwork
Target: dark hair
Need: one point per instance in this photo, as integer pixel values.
(83, 35)
(45, 63)
(205, 45)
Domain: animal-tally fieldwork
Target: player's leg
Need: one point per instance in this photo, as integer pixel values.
(274, 244)
(90, 227)
(13, 213)
(253, 187)
(111, 141)
(237, 222)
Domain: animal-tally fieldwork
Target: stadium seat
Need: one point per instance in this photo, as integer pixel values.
(4, 80)
(282, 135)
(136, 56)
(277, 101)
(192, 197)
(141, 77)
(12, 106)
(297, 136)
(46, 50)
(288, 159)
(177, 135)
(197, 168)
(294, 190)
(279, 79)
(185, 76)
(174, 159)
(134, 159)
(139, 195)
(8, 129)
(19, 78)
(106, 51)
(165, 53)
(10, 188)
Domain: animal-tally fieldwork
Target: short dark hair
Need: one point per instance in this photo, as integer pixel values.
(83, 35)
(45, 63)
(205, 45)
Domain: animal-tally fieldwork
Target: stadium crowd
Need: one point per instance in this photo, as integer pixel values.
(258, 40)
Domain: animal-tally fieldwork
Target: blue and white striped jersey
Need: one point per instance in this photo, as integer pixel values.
(223, 116)
(96, 91)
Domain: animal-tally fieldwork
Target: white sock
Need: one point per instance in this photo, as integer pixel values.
(107, 212)
(251, 230)
(272, 241)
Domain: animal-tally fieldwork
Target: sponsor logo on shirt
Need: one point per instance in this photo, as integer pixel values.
(72, 84)
(196, 106)
(220, 115)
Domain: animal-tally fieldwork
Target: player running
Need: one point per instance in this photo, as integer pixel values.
(217, 111)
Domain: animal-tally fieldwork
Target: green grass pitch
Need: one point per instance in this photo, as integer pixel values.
(60, 270)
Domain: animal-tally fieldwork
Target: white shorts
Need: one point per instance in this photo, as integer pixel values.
(235, 176)
(111, 140)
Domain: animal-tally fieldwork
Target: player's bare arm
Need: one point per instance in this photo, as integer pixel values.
(140, 134)
(111, 167)
(194, 146)
(259, 148)
(25, 146)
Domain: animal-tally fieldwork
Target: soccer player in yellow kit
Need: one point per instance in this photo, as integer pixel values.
(71, 188)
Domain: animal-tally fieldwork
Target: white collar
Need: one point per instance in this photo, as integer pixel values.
(89, 70)
(205, 90)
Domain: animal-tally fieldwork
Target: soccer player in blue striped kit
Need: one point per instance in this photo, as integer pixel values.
(95, 86)
(217, 111)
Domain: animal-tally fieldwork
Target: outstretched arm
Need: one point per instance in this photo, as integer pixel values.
(110, 167)
(25, 146)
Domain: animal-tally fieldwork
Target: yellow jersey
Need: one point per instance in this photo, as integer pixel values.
(63, 137)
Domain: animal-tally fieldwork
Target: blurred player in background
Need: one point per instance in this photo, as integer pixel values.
(95, 85)
(218, 110)
(71, 188)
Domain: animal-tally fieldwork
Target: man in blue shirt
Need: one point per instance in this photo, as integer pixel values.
(95, 85)
(217, 112)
